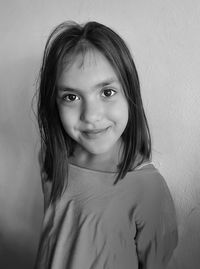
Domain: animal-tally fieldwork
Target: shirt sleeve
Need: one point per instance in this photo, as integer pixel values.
(156, 236)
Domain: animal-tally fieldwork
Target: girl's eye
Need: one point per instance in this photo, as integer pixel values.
(108, 92)
(71, 97)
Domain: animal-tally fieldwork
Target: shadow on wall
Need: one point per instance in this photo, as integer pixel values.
(20, 189)
(187, 254)
(13, 255)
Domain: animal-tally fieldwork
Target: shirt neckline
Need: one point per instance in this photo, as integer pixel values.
(88, 170)
(83, 174)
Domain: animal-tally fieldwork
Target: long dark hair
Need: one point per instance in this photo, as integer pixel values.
(66, 41)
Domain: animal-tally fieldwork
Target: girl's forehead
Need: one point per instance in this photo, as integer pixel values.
(84, 59)
(87, 70)
(92, 60)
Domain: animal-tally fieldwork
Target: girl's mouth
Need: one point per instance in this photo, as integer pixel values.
(95, 133)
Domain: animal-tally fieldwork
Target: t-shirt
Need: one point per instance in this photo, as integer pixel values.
(97, 224)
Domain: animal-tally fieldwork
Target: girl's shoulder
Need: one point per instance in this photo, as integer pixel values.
(146, 173)
(149, 183)
(152, 194)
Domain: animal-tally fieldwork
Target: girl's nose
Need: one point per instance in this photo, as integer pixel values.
(91, 112)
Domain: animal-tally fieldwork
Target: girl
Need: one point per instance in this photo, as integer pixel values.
(106, 206)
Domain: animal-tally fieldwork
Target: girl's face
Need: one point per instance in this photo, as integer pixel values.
(92, 105)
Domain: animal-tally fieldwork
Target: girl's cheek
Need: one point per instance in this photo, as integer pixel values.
(69, 116)
(118, 110)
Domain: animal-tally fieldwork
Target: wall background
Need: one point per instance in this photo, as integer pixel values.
(165, 41)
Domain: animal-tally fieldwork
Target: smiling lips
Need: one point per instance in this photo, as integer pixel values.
(95, 133)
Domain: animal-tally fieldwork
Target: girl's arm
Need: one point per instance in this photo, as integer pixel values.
(156, 236)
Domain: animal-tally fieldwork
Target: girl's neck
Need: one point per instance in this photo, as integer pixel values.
(101, 162)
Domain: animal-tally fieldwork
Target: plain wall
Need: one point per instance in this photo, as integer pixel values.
(164, 37)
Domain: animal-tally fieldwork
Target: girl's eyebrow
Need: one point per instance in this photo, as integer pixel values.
(106, 82)
(101, 84)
